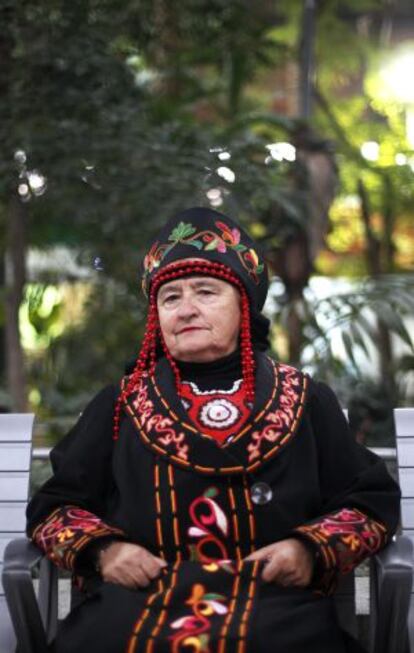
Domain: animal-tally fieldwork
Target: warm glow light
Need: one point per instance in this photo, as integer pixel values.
(227, 174)
(282, 151)
(397, 83)
(370, 150)
(401, 159)
(398, 77)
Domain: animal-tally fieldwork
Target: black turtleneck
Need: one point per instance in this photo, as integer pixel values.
(219, 374)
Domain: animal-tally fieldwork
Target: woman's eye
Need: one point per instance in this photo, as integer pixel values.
(170, 299)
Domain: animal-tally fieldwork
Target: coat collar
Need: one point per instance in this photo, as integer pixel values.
(163, 425)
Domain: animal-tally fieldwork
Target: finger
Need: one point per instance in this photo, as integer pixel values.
(153, 565)
(151, 568)
(272, 569)
(261, 554)
(140, 577)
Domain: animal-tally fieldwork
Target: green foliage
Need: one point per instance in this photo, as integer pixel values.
(352, 315)
(123, 109)
(92, 353)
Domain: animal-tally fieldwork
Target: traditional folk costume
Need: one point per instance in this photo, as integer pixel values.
(202, 464)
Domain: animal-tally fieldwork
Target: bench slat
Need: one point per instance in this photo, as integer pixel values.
(407, 514)
(404, 422)
(16, 427)
(406, 478)
(405, 447)
(15, 456)
(14, 486)
(12, 516)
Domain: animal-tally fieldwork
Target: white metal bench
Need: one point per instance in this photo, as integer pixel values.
(36, 619)
(15, 457)
(405, 452)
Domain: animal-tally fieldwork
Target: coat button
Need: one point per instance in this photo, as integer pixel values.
(261, 493)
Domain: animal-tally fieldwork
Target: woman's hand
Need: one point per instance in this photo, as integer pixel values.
(288, 563)
(129, 565)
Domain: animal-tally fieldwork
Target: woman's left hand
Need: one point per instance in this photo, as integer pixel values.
(288, 563)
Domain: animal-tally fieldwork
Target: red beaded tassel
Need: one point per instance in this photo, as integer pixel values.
(147, 357)
(146, 361)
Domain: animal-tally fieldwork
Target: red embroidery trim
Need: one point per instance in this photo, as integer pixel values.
(196, 626)
(210, 516)
(166, 434)
(66, 531)
(344, 540)
(284, 417)
(203, 409)
(157, 423)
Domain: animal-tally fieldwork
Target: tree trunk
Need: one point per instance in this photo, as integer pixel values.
(375, 267)
(372, 252)
(389, 221)
(15, 276)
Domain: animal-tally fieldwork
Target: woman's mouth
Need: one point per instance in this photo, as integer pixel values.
(187, 329)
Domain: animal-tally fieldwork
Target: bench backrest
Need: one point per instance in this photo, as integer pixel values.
(15, 457)
(404, 423)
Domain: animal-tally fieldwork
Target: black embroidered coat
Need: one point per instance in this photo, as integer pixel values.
(176, 492)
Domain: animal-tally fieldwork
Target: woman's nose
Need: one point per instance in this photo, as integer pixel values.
(187, 307)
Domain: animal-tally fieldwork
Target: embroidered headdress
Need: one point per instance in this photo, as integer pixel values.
(201, 241)
(209, 235)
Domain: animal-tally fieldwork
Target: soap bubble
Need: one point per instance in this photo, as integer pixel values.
(98, 264)
(20, 156)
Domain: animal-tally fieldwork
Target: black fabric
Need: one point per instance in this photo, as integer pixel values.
(320, 470)
(289, 620)
(207, 234)
(219, 374)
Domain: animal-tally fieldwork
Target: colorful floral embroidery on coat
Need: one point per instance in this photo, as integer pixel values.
(160, 425)
(67, 531)
(168, 434)
(343, 539)
(224, 239)
(283, 418)
(206, 515)
(192, 630)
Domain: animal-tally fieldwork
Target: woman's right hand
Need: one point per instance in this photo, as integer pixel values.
(129, 565)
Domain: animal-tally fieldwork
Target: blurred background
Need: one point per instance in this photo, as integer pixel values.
(295, 116)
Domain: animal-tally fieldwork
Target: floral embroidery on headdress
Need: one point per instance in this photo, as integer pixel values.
(224, 239)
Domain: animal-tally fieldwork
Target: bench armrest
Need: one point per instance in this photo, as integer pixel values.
(390, 591)
(34, 618)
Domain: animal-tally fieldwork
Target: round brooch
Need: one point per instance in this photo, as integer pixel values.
(219, 413)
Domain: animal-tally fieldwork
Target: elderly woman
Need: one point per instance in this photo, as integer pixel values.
(211, 501)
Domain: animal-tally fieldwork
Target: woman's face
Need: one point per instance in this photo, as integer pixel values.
(199, 318)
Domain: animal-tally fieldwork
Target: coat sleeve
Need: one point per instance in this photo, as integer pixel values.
(67, 514)
(360, 500)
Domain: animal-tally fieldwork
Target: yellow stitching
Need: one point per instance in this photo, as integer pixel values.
(163, 612)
